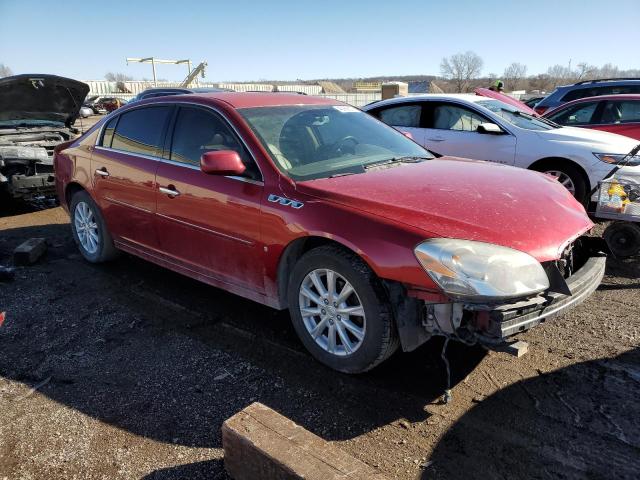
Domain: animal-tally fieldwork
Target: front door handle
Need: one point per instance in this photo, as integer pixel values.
(170, 190)
(436, 139)
(102, 172)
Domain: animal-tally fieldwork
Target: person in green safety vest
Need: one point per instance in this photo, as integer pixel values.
(498, 86)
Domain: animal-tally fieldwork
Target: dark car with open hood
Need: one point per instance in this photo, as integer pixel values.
(37, 112)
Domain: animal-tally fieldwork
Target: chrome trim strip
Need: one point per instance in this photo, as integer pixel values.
(214, 109)
(207, 230)
(122, 204)
(141, 155)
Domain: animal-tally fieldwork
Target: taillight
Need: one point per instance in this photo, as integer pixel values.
(540, 110)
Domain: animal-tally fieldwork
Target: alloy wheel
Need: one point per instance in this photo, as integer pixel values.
(86, 227)
(564, 179)
(332, 312)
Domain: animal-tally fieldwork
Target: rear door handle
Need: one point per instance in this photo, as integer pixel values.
(102, 172)
(436, 139)
(170, 190)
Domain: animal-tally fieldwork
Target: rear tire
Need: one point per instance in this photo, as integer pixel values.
(90, 230)
(361, 324)
(569, 176)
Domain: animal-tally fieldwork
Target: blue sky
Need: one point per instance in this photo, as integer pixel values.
(271, 39)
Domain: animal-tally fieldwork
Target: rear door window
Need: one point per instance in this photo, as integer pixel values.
(107, 134)
(141, 131)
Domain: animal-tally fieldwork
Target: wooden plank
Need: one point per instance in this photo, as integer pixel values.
(259, 443)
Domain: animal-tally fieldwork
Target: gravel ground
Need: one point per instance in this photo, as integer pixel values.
(127, 370)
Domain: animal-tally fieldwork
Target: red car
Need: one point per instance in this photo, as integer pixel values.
(309, 204)
(612, 113)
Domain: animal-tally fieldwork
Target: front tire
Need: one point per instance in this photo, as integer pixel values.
(341, 311)
(569, 177)
(90, 230)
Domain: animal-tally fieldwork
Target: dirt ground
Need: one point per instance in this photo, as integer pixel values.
(126, 370)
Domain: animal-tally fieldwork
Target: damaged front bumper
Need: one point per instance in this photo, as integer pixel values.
(29, 188)
(419, 317)
(506, 320)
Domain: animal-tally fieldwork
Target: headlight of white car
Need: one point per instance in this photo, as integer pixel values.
(477, 271)
(616, 158)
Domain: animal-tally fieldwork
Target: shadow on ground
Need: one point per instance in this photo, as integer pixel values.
(169, 358)
(207, 469)
(582, 421)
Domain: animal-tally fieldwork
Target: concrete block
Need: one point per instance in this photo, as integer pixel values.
(259, 443)
(30, 251)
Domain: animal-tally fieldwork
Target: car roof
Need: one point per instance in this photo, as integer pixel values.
(601, 83)
(257, 99)
(467, 97)
(618, 96)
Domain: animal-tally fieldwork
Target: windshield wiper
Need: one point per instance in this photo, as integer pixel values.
(405, 159)
(343, 174)
(531, 117)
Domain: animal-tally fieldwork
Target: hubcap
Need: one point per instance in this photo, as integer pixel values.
(564, 179)
(86, 227)
(332, 312)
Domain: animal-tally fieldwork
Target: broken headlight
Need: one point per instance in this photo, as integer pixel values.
(476, 271)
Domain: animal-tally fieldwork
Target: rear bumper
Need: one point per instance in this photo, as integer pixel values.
(510, 319)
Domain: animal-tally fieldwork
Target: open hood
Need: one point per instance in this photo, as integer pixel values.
(485, 92)
(465, 199)
(41, 97)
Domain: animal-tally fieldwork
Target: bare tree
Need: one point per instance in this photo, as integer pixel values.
(5, 71)
(514, 74)
(117, 77)
(609, 70)
(559, 74)
(461, 68)
(584, 71)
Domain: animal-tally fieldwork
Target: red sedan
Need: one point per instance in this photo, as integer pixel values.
(612, 113)
(309, 204)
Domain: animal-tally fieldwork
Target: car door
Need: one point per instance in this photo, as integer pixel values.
(405, 117)
(124, 166)
(451, 129)
(209, 224)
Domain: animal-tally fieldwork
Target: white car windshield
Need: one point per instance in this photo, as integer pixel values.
(516, 117)
(307, 142)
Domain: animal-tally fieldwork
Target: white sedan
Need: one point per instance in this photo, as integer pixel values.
(483, 128)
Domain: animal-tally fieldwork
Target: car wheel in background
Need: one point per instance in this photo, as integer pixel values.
(569, 176)
(623, 238)
(89, 229)
(340, 310)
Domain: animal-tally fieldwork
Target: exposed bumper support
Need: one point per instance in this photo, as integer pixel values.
(510, 319)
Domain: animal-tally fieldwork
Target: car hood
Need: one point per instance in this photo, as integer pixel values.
(599, 141)
(465, 199)
(41, 97)
(485, 92)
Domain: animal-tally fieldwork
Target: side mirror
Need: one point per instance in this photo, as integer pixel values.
(490, 128)
(222, 162)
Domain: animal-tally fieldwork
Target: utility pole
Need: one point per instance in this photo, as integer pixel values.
(153, 61)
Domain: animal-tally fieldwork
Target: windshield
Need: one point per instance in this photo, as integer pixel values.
(318, 141)
(516, 117)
